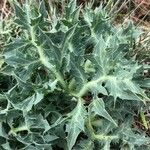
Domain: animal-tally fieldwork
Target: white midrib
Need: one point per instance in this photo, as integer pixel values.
(44, 60)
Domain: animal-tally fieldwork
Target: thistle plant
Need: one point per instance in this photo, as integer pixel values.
(71, 83)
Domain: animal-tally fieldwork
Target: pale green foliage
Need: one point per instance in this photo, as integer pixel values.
(71, 83)
(98, 107)
(76, 124)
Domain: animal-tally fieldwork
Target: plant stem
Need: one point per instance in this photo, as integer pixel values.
(19, 129)
(105, 137)
(90, 84)
(144, 120)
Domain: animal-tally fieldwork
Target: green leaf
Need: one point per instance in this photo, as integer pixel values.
(27, 104)
(35, 121)
(3, 132)
(100, 56)
(79, 73)
(21, 17)
(42, 9)
(85, 145)
(55, 64)
(144, 83)
(6, 146)
(76, 124)
(98, 107)
(67, 46)
(125, 89)
(98, 89)
(49, 49)
(70, 9)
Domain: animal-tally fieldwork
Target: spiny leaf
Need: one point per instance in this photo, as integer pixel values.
(28, 103)
(125, 89)
(21, 17)
(98, 107)
(76, 124)
(56, 64)
(42, 9)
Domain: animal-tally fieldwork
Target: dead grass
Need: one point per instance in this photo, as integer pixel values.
(5, 9)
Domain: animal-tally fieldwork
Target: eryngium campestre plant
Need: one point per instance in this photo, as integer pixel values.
(71, 83)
